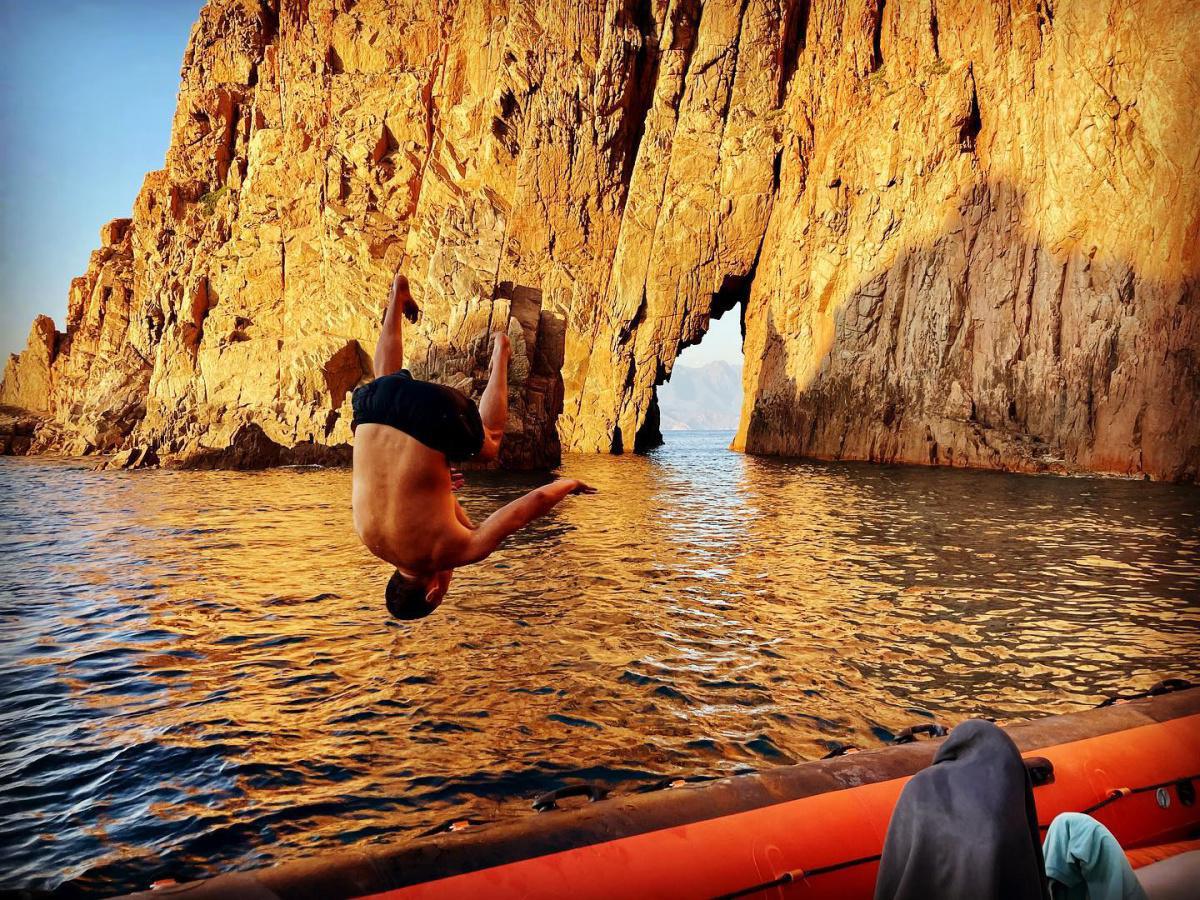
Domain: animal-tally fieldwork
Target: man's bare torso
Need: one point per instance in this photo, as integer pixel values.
(404, 509)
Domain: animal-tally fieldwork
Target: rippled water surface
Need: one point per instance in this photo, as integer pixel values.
(197, 673)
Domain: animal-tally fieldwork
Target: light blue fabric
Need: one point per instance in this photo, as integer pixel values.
(1086, 860)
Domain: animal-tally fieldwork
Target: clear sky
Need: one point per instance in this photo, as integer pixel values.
(87, 92)
(723, 341)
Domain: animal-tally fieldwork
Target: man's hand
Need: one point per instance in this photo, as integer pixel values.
(402, 295)
(578, 487)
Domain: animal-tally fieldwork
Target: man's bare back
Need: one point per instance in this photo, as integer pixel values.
(405, 510)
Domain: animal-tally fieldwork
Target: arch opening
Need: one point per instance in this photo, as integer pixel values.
(704, 389)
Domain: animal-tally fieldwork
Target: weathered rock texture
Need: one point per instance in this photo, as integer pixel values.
(26, 382)
(959, 232)
(993, 261)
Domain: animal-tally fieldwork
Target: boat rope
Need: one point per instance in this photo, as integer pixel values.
(1120, 793)
(909, 735)
(799, 875)
(1166, 686)
(549, 800)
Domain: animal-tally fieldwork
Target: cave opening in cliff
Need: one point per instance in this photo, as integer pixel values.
(704, 390)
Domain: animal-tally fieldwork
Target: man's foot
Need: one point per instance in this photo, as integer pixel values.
(404, 298)
(501, 347)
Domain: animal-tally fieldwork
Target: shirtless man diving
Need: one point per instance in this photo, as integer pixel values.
(406, 434)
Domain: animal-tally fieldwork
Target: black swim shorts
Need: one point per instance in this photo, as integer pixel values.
(438, 416)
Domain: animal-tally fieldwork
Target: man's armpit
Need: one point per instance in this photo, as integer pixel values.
(463, 518)
(455, 548)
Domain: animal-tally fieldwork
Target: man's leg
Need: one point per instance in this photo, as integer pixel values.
(389, 350)
(493, 405)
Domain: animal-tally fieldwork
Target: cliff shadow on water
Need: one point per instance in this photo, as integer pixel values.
(973, 349)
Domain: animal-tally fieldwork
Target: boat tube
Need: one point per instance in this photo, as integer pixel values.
(813, 830)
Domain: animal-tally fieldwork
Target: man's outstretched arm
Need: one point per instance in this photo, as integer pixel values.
(389, 350)
(516, 515)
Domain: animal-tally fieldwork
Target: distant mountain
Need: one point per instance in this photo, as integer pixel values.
(702, 398)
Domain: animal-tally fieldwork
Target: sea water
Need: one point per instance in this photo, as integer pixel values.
(197, 673)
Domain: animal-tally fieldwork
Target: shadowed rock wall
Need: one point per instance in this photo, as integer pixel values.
(958, 232)
(993, 261)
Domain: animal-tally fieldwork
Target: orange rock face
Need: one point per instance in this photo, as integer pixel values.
(957, 232)
(993, 261)
(26, 382)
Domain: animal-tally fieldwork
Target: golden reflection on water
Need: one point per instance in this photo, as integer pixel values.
(200, 673)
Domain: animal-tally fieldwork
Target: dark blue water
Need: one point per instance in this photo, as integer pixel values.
(196, 673)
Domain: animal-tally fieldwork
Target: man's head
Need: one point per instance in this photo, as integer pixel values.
(415, 596)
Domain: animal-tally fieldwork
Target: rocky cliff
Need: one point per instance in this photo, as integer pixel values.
(959, 232)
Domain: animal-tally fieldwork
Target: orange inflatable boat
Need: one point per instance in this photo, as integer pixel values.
(813, 830)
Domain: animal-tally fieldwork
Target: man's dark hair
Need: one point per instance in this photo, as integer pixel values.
(406, 597)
